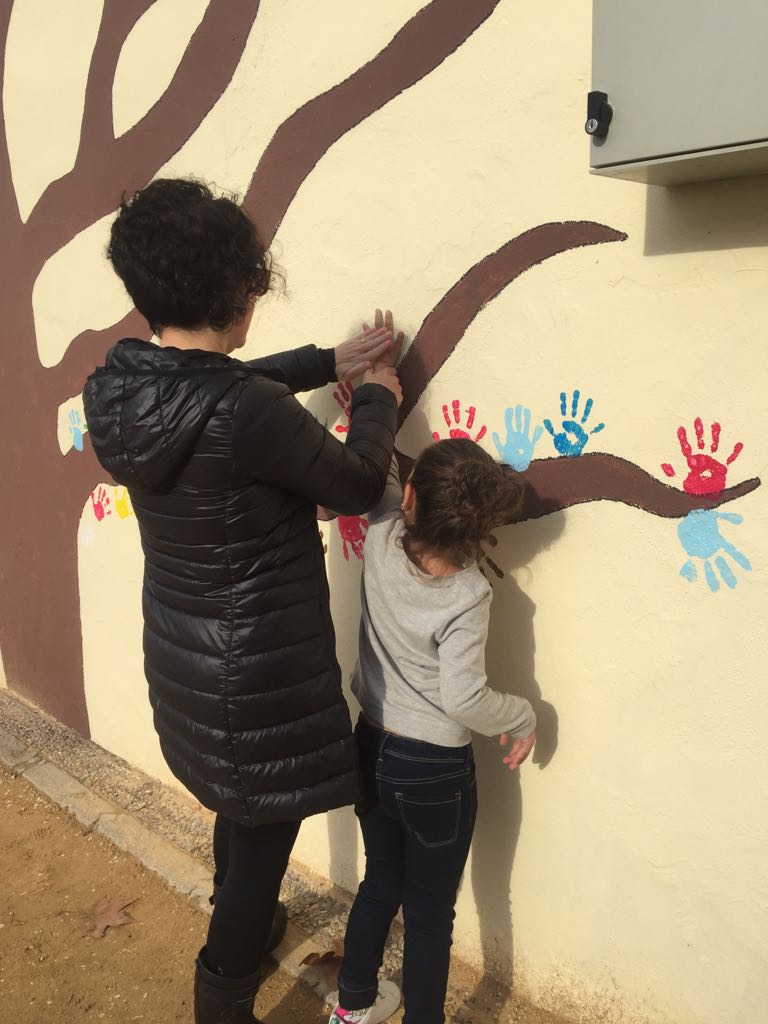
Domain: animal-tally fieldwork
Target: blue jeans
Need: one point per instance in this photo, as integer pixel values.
(417, 815)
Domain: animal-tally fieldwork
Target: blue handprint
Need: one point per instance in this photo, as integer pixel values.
(701, 538)
(517, 449)
(573, 437)
(76, 429)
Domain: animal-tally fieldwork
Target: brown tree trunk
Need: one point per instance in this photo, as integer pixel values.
(40, 635)
(43, 496)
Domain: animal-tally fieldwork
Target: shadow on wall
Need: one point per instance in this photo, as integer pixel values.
(706, 216)
(344, 580)
(511, 660)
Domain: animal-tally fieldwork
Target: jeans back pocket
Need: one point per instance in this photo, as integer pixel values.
(433, 822)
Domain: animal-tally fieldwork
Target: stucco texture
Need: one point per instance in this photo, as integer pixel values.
(623, 875)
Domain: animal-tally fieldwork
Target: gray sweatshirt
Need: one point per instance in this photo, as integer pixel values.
(421, 666)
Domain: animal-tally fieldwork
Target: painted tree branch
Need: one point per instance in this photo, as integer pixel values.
(298, 144)
(96, 135)
(446, 325)
(423, 43)
(97, 141)
(559, 483)
(92, 188)
(10, 219)
(97, 128)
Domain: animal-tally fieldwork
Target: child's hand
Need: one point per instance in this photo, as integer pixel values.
(387, 377)
(519, 750)
(384, 321)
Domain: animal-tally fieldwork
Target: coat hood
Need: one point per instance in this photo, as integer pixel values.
(147, 406)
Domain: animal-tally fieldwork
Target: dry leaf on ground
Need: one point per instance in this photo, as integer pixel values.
(321, 970)
(108, 914)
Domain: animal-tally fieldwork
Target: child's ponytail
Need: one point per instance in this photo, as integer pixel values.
(462, 494)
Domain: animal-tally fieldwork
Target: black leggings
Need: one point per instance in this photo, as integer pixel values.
(250, 864)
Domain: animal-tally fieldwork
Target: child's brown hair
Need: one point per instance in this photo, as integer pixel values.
(462, 494)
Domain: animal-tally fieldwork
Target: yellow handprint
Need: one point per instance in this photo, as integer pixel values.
(123, 502)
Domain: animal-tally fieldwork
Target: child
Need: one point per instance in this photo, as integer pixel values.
(421, 682)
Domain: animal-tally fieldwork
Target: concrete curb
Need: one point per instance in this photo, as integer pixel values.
(178, 869)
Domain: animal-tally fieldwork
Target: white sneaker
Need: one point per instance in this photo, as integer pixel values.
(387, 1001)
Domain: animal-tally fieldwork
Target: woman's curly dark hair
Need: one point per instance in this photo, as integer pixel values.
(187, 257)
(462, 494)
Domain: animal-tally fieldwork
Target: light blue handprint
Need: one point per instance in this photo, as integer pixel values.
(700, 536)
(517, 449)
(76, 429)
(573, 437)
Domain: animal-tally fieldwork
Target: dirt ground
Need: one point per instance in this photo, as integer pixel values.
(52, 874)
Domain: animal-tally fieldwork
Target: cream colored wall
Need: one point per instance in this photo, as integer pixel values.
(639, 885)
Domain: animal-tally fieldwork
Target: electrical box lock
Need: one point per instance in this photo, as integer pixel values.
(599, 115)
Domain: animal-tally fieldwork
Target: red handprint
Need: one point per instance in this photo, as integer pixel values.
(343, 395)
(100, 503)
(457, 431)
(353, 530)
(707, 475)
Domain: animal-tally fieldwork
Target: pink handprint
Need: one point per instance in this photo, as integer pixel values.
(100, 503)
(707, 475)
(353, 530)
(343, 396)
(455, 431)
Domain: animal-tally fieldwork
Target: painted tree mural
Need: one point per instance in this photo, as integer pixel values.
(40, 635)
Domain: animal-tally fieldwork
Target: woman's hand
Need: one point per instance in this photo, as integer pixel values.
(387, 377)
(389, 356)
(519, 750)
(358, 354)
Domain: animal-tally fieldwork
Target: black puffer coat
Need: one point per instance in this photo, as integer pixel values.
(224, 469)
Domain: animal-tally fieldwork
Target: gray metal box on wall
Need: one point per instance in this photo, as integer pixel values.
(687, 83)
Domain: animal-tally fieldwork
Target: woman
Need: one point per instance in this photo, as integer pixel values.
(225, 469)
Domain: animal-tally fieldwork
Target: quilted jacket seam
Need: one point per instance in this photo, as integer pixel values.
(230, 640)
(179, 646)
(164, 432)
(124, 446)
(255, 695)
